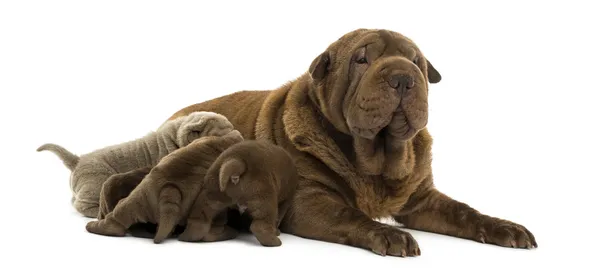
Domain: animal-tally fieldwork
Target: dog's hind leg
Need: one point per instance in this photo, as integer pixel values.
(264, 220)
(282, 210)
(87, 208)
(86, 200)
(86, 184)
(127, 212)
(199, 221)
(169, 211)
(219, 231)
(117, 187)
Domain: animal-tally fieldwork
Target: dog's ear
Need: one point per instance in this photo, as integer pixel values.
(432, 74)
(191, 131)
(235, 136)
(230, 172)
(320, 66)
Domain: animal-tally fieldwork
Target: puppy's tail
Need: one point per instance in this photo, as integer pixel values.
(169, 210)
(69, 159)
(229, 170)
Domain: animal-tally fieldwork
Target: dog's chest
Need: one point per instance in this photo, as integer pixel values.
(378, 197)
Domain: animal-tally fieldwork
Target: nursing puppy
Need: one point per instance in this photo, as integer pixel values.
(166, 194)
(253, 175)
(90, 171)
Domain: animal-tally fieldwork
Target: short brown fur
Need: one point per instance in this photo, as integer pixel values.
(166, 194)
(255, 175)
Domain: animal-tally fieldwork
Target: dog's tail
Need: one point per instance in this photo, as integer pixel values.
(228, 170)
(169, 210)
(69, 159)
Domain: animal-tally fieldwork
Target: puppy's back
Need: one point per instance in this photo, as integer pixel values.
(260, 158)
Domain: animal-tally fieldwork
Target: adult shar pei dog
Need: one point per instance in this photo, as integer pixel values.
(355, 124)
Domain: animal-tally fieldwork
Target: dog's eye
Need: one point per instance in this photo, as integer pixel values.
(361, 56)
(416, 61)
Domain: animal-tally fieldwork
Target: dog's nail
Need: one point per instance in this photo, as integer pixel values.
(529, 245)
(513, 243)
(403, 253)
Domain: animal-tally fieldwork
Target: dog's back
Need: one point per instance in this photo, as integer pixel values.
(258, 162)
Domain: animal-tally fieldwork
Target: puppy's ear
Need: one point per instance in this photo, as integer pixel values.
(189, 132)
(235, 136)
(320, 66)
(432, 74)
(223, 183)
(230, 171)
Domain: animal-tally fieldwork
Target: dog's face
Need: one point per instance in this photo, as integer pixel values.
(373, 81)
(202, 124)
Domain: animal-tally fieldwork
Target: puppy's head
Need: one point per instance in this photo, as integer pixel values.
(202, 124)
(372, 81)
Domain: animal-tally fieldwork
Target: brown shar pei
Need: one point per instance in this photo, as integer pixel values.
(355, 124)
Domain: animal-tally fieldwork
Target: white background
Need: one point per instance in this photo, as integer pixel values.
(514, 120)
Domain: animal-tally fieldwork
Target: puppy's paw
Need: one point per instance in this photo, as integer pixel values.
(265, 232)
(388, 240)
(505, 233)
(221, 234)
(104, 227)
(188, 236)
(270, 241)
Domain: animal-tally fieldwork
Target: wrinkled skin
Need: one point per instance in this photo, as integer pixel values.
(369, 102)
(355, 124)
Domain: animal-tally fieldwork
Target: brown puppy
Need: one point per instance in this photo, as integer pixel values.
(255, 175)
(119, 186)
(355, 125)
(167, 193)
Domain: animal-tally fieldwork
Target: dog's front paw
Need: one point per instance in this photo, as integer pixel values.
(388, 240)
(505, 233)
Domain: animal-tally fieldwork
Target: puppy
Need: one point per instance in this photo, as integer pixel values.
(167, 193)
(255, 175)
(91, 170)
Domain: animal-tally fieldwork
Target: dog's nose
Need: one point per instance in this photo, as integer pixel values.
(401, 82)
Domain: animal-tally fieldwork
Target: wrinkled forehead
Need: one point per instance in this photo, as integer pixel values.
(385, 41)
(198, 116)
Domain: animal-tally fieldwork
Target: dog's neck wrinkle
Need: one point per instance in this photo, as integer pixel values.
(348, 147)
(320, 103)
(399, 163)
(342, 139)
(313, 138)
